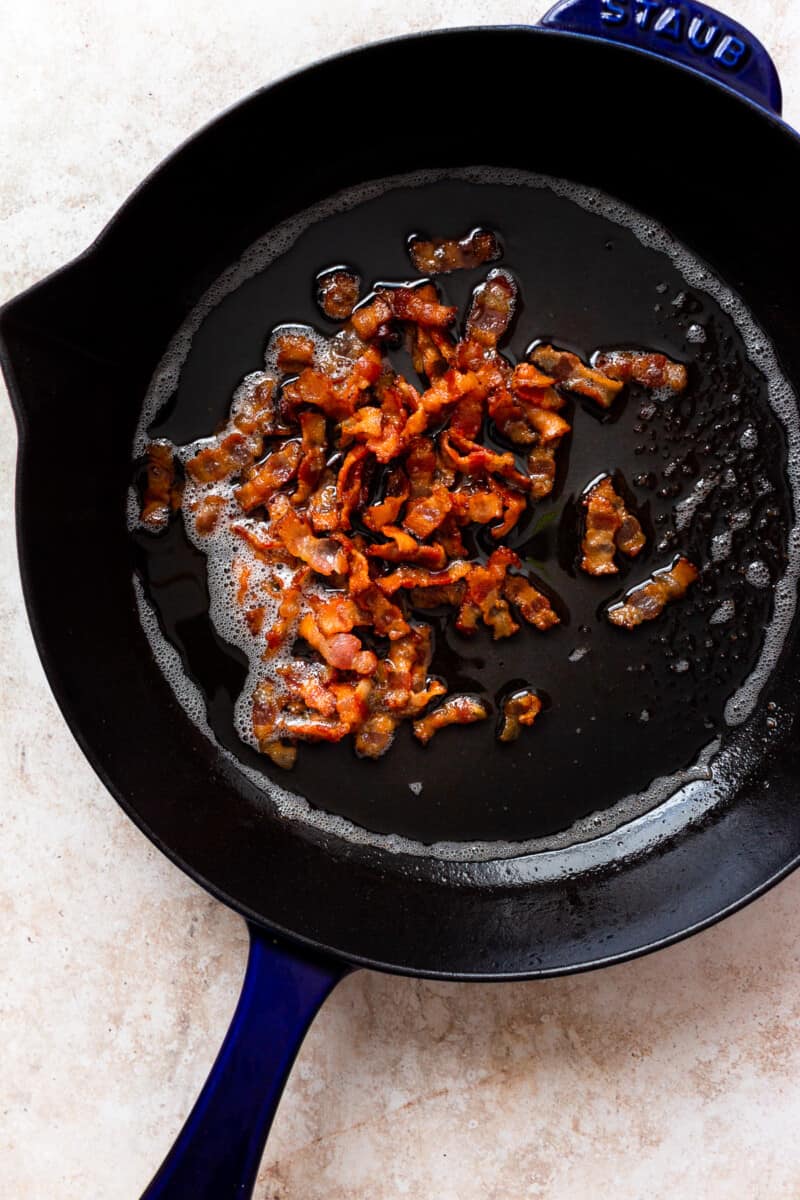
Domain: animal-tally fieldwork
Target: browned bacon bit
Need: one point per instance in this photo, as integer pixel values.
(421, 305)
(601, 525)
(343, 650)
(294, 352)
(386, 511)
(218, 462)
(404, 548)
(442, 255)
(312, 463)
(424, 514)
(255, 618)
(492, 308)
(432, 351)
(455, 710)
(531, 384)
(416, 577)
(358, 500)
(484, 599)
(254, 412)
(159, 492)
(609, 526)
(323, 554)
(520, 709)
(372, 319)
(542, 471)
(323, 506)
(277, 469)
(337, 292)
(288, 612)
(207, 513)
(650, 370)
(532, 605)
(648, 600)
(350, 484)
(570, 373)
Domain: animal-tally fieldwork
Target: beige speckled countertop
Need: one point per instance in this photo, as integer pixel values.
(674, 1076)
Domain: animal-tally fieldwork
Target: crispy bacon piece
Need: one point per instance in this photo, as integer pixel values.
(484, 600)
(323, 505)
(432, 351)
(343, 650)
(372, 319)
(277, 469)
(520, 709)
(336, 613)
(207, 512)
(477, 504)
(265, 716)
(312, 462)
(375, 735)
(350, 484)
(542, 471)
(647, 600)
(455, 710)
(308, 685)
(440, 256)
(416, 577)
(492, 308)
(532, 604)
(159, 492)
(609, 526)
(602, 522)
(531, 384)
(404, 548)
(424, 514)
(650, 370)
(227, 457)
(254, 410)
(468, 413)
(570, 373)
(288, 612)
(312, 387)
(294, 351)
(514, 505)
(323, 554)
(386, 511)
(420, 305)
(472, 458)
(337, 292)
(385, 617)
(401, 688)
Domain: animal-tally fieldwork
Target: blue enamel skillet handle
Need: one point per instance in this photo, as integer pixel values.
(692, 34)
(218, 1151)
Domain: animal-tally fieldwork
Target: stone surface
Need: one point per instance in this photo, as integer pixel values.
(677, 1075)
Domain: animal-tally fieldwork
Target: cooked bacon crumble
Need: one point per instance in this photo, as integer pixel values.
(349, 488)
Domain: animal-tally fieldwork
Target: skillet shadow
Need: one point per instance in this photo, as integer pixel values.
(494, 1090)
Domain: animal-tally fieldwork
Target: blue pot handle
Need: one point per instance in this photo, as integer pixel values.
(218, 1151)
(693, 34)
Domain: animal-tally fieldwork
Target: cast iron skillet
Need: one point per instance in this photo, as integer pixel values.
(700, 148)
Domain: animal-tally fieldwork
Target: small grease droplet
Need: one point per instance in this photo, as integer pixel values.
(416, 788)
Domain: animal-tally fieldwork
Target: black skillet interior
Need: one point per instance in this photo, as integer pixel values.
(81, 350)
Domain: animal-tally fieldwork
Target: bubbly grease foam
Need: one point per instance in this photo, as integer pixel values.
(649, 815)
